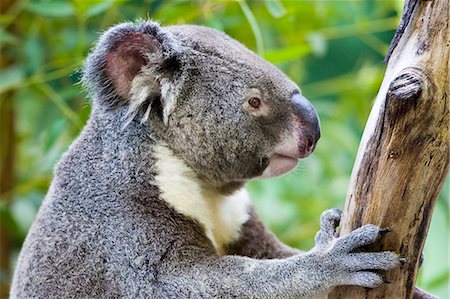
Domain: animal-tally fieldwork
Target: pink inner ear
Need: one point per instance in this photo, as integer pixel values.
(128, 57)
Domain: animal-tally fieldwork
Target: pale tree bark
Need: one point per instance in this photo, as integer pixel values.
(403, 159)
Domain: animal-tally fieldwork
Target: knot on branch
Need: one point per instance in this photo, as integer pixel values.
(408, 85)
(410, 116)
(406, 91)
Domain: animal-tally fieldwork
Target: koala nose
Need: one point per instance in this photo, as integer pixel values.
(308, 119)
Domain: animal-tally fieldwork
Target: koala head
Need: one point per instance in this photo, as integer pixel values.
(227, 113)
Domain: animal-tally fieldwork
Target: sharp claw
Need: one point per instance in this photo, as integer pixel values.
(385, 280)
(384, 231)
(403, 261)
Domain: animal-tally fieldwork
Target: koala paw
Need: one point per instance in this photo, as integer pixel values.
(338, 261)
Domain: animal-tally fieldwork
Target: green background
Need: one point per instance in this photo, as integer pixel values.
(334, 50)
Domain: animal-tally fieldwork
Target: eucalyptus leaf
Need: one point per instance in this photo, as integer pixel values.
(7, 37)
(287, 54)
(11, 77)
(34, 53)
(99, 8)
(52, 8)
(275, 8)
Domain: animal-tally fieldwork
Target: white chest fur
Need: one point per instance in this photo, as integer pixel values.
(221, 216)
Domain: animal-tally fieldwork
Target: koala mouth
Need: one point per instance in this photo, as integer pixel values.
(279, 164)
(285, 158)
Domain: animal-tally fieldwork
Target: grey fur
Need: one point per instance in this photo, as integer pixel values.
(103, 230)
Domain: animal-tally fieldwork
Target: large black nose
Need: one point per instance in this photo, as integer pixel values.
(308, 118)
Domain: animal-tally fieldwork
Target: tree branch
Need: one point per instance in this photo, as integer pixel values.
(403, 158)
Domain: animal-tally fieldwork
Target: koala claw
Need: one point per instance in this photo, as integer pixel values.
(403, 262)
(385, 230)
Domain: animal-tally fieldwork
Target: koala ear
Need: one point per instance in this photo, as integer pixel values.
(131, 54)
(135, 64)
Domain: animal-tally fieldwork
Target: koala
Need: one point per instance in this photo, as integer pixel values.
(149, 200)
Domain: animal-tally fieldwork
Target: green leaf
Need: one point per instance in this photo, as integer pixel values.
(275, 8)
(54, 132)
(6, 19)
(7, 220)
(22, 213)
(97, 9)
(441, 279)
(61, 104)
(11, 77)
(254, 25)
(7, 37)
(318, 44)
(35, 53)
(93, 7)
(287, 54)
(52, 9)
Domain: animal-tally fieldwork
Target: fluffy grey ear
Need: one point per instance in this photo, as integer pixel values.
(135, 64)
(125, 61)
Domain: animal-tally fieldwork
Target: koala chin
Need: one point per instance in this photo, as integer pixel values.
(149, 200)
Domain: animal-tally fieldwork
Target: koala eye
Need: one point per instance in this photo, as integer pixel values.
(254, 102)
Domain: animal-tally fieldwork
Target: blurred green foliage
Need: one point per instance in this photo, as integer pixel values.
(334, 50)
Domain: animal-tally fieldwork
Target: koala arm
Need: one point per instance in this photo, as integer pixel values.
(256, 241)
(198, 273)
